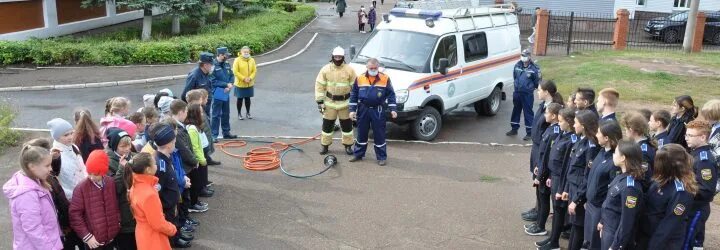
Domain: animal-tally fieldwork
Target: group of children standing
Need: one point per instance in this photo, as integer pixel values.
(129, 183)
(644, 181)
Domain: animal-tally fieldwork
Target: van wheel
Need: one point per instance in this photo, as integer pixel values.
(716, 38)
(490, 105)
(427, 126)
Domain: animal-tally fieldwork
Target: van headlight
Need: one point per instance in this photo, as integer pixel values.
(401, 96)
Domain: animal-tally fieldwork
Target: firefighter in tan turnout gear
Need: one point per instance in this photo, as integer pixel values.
(332, 94)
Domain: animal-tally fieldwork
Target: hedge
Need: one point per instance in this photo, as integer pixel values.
(261, 32)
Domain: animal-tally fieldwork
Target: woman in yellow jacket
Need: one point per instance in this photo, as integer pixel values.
(244, 69)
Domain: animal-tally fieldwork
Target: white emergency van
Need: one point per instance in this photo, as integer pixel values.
(441, 56)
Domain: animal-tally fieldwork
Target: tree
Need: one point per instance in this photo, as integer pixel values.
(145, 5)
(221, 4)
(194, 9)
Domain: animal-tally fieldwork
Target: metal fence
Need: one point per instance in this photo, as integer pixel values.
(570, 32)
(574, 31)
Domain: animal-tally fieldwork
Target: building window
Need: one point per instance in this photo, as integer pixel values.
(682, 4)
(641, 2)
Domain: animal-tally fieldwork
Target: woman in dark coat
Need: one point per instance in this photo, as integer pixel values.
(340, 5)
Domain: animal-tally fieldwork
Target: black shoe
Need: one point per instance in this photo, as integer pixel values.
(197, 209)
(348, 150)
(542, 242)
(216, 140)
(213, 162)
(324, 150)
(527, 226)
(565, 235)
(382, 162)
(192, 222)
(532, 210)
(527, 138)
(354, 159)
(512, 132)
(206, 193)
(530, 217)
(210, 183)
(548, 247)
(180, 243)
(187, 229)
(209, 189)
(187, 237)
(535, 231)
(229, 136)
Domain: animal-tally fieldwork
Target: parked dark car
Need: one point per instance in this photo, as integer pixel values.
(671, 29)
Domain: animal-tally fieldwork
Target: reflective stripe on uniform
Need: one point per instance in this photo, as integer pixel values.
(338, 84)
(347, 133)
(321, 83)
(381, 145)
(361, 143)
(333, 105)
(326, 134)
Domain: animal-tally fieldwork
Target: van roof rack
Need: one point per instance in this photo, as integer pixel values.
(457, 8)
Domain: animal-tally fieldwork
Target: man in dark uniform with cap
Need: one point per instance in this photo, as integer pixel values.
(199, 78)
(526, 75)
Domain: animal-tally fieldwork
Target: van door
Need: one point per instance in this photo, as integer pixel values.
(475, 48)
(447, 88)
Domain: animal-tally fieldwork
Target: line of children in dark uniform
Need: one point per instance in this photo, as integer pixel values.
(609, 191)
(91, 178)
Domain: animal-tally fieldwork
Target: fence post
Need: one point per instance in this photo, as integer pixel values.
(570, 33)
(541, 32)
(621, 29)
(699, 31)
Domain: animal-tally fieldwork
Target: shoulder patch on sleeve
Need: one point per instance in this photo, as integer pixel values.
(706, 174)
(679, 209)
(630, 181)
(161, 167)
(644, 147)
(573, 137)
(591, 144)
(679, 186)
(630, 201)
(556, 129)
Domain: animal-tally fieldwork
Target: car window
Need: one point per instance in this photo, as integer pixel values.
(712, 19)
(476, 47)
(680, 17)
(447, 48)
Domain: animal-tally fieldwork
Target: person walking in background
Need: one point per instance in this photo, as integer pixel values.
(34, 221)
(362, 19)
(87, 137)
(340, 6)
(152, 231)
(244, 69)
(372, 17)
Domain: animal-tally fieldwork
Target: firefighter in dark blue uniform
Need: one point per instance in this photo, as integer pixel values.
(664, 222)
(527, 76)
(199, 78)
(371, 93)
(222, 80)
(648, 161)
(705, 167)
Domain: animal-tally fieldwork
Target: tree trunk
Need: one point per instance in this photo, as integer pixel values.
(176, 24)
(221, 8)
(147, 24)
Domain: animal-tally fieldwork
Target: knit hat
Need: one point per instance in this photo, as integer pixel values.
(168, 91)
(164, 104)
(128, 126)
(163, 134)
(114, 137)
(58, 127)
(98, 163)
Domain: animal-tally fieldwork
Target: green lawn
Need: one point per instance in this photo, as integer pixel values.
(601, 69)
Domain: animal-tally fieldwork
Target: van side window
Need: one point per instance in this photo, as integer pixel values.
(447, 48)
(476, 47)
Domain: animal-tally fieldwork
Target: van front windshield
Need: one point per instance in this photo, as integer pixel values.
(404, 50)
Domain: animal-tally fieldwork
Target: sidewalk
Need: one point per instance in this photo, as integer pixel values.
(326, 22)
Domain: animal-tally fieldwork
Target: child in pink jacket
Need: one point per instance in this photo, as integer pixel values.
(34, 221)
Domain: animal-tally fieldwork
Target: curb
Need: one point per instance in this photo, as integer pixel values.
(156, 79)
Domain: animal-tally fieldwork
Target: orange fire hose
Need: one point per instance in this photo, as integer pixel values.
(261, 158)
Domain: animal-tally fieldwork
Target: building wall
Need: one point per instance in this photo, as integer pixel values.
(69, 11)
(21, 15)
(662, 6)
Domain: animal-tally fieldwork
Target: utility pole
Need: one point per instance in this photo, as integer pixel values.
(690, 28)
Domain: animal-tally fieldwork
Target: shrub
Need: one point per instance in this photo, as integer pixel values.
(8, 137)
(256, 27)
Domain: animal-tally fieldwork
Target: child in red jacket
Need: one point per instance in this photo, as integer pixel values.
(94, 213)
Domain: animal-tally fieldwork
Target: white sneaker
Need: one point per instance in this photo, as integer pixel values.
(240, 117)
